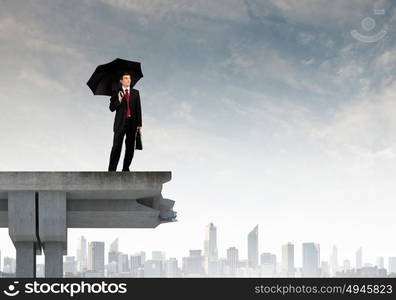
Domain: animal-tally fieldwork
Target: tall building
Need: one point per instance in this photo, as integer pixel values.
(210, 249)
(136, 263)
(288, 260)
(380, 262)
(334, 261)
(69, 266)
(210, 241)
(142, 255)
(114, 246)
(114, 258)
(359, 258)
(267, 258)
(9, 264)
(193, 265)
(253, 248)
(324, 270)
(392, 265)
(222, 267)
(123, 263)
(268, 264)
(171, 268)
(153, 268)
(96, 258)
(347, 265)
(82, 255)
(158, 255)
(311, 260)
(232, 260)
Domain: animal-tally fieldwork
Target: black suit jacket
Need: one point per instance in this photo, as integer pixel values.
(120, 107)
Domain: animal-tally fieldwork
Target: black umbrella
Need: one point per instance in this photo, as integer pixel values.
(106, 77)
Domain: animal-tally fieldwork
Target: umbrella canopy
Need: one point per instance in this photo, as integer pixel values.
(106, 77)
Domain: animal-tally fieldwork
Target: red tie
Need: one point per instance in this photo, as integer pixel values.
(128, 111)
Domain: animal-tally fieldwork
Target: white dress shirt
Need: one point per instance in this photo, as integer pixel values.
(129, 90)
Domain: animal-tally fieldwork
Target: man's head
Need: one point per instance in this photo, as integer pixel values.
(125, 79)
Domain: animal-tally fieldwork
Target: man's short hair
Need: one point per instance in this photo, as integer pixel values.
(125, 73)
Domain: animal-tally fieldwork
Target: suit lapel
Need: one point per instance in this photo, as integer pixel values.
(131, 99)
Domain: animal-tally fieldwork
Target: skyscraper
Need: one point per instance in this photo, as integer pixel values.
(268, 264)
(268, 258)
(253, 248)
(193, 264)
(232, 260)
(392, 265)
(347, 265)
(288, 260)
(9, 264)
(142, 255)
(158, 255)
(210, 248)
(359, 258)
(96, 257)
(311, 260)
(334, 261)
(380, 262)
(171, 268)
(210, 241)
(82, 255)
(153, 268)
(69, 266)
(114, 246)
(114, 257)
(136, 262)
(123, 263)
(324, 270)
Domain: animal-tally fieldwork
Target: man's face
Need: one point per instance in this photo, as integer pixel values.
(126, 80)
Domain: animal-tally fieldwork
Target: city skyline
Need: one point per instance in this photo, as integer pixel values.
(243, 251)
(265, 113)
(96, 263)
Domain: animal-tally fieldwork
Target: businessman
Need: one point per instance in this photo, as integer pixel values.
(128, 119)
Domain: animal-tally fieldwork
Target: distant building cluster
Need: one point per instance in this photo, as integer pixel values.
(89, 261)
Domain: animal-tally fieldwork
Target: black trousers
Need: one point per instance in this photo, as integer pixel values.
(129, 130)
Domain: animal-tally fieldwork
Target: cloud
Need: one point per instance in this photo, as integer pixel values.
(364, 128)
(262, 61)
(322, 11)
(351, 70)
(386, 61)
(40, 81)
(305, 38)
(184, 112)
(356, 135)
(162, 9)
(308, 61)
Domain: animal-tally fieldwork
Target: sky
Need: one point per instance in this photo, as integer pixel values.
(266, 112)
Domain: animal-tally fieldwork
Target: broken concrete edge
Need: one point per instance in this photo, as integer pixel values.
(81, 180)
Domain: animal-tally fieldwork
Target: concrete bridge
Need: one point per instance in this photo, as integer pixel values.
(38, 207)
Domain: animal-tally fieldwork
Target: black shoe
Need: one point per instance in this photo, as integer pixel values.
(125, 170)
